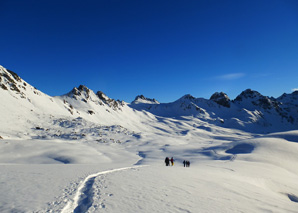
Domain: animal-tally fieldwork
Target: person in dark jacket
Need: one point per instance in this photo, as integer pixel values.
(167, 161)
(184, 163)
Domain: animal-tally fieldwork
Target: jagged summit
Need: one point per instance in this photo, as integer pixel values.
(82, 93)
(86, 95)
(78, 91)
(221, 98)
(187, 97)
(289, 98)
(248, 94)
(255, 98)
(141, 99)
(109, 101)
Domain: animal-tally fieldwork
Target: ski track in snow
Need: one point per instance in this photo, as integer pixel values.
(83, 198)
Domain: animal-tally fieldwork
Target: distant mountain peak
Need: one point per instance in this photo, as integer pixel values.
(142, 99)
(248, 93)
(257, 99)
(187, 97)
(291, 98)
(80, 91)
(221, 99)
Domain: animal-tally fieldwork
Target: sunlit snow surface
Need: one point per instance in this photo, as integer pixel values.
(79, 154)
(87, 175)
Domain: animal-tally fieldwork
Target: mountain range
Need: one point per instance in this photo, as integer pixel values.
(249, 111)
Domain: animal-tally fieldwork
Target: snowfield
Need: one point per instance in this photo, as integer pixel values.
(88, 176)
(84, 152)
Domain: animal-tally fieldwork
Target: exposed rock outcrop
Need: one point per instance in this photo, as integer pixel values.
(221, 99)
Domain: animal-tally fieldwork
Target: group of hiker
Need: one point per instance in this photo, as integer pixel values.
(171, 160)
(168, 160)
(186, 163)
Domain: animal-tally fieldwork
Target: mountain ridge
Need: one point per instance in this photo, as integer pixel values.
(249, 111)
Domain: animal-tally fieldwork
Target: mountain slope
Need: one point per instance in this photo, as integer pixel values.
(23, 107)
(250, 111)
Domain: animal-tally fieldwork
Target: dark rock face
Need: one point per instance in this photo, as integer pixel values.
(258, 99)
(142, 97)
(269, 104)
(247, 94)
(9, 81)
(84, 88)
(14, 75)
(221, 99)
(82, 91)
(109, 101)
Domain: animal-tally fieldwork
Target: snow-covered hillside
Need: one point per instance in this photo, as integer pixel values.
(250, 111)
(85, 152)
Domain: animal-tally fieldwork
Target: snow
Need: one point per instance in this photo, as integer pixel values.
(57, 157)
(54, 176)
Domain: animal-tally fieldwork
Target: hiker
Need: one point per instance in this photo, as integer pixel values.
(172, 161)
(184, 163)
(167, 161)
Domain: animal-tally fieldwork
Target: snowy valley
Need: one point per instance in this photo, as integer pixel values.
(85, 152)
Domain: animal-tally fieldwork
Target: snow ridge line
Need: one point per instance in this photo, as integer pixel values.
(83, 197)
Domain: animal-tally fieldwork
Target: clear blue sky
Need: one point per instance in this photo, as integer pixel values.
(161, 49)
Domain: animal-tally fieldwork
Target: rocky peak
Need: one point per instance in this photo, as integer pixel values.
(14, 75)
(291, 99)
(11, 81)
(187, 97)
(82, 92)
(248, 94)
(83, 88)
(143, 99)
(257, 99)
(109, 101)
(102, 96)
(7, 76)
(221, 99)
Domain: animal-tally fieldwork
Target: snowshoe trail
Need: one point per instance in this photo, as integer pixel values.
(83, 198)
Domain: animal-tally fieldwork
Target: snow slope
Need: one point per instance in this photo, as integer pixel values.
(85, 152)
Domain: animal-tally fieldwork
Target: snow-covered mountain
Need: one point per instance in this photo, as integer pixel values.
(250, 111)
(141, 99)
(85, 152)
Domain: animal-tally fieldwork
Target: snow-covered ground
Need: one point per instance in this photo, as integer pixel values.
(230, 172)
(85, 152)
